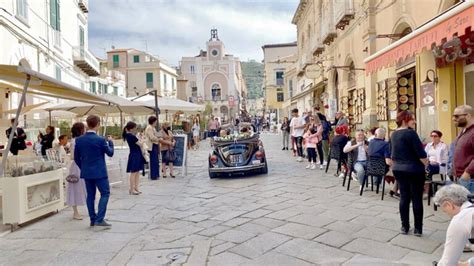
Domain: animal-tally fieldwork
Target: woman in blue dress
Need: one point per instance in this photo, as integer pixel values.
(136, 161)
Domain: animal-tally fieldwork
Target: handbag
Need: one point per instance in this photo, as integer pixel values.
(170, 155)
(72, 178)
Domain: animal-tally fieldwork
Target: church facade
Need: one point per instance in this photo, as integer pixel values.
(214, 77)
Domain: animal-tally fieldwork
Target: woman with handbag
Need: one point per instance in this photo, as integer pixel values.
(152, 141)
(167, 149)
(76, 187)
(136, 160)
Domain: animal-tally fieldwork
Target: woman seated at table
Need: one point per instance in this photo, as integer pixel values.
(437, 155)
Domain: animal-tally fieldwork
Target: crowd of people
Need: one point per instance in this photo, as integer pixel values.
(402, 155)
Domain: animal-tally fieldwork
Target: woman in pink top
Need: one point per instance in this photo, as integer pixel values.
(313, 136)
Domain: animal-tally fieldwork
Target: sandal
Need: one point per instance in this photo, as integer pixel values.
(173, 176)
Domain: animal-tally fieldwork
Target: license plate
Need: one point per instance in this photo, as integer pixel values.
(256, 162)
(235, 158)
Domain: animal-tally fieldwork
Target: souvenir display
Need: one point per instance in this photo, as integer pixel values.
(392, 97)
(402, 81)
(403, 99)
(28, 165)
(382, 101)
(392, 125)
(392, 106)
(406, 92)
(403, 90)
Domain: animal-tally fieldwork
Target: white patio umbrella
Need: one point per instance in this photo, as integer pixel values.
(171, 104)
(123, 106)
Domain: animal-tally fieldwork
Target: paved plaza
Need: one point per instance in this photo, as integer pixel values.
(292, 216)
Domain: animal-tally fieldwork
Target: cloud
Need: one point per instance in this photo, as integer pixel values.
(172, 29)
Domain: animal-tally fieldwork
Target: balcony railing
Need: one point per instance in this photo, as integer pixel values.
(83, 5)
(86, 61)
(343, 12)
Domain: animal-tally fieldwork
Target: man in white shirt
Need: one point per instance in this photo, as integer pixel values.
(358, 150)
(298, 124)
(453, 200)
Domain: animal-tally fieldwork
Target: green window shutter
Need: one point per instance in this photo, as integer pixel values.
(58, 16)
(136, 59)
(53, 12)
(116, 60)
(149, 80)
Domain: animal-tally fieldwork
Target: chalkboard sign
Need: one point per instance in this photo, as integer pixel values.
(180, 149)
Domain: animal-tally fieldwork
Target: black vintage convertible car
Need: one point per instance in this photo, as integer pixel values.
(237, 154)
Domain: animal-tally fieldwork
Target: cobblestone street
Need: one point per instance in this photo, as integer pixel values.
(292, 216)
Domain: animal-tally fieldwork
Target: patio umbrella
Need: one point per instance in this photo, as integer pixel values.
(122, 106)
(172, 104)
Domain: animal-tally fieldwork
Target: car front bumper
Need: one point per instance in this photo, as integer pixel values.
(237, 169)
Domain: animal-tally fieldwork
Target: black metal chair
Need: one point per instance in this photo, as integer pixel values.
(376, 166)
(350, 165)
(335, 152)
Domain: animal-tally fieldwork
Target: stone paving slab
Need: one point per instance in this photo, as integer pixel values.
(291, 216)
(259, 245)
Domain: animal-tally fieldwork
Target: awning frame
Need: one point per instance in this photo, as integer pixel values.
(424, 37)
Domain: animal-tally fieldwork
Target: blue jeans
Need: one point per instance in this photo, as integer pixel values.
(359, 168)
(102, 185)
(469, 184)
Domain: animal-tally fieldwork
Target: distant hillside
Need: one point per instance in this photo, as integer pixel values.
(253, 75)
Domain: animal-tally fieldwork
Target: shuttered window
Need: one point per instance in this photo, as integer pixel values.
(55, 15)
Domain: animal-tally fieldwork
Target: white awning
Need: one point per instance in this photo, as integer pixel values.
(13, 78)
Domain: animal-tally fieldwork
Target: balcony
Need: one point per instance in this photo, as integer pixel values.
(343, 13)
(86, 61)
(328, 30)
(83, 4)
(318, 48)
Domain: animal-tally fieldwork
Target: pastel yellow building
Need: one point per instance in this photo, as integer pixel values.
(371, 59)
(277, 57)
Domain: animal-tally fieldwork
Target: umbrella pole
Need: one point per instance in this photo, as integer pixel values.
(14, 126)
(50, 120)
(157, 112)
(121, 120)
(105, 123)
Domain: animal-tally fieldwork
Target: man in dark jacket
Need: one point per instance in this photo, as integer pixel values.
(19, 137)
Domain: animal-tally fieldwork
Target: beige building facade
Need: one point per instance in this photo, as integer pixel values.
(215, 77)
(336, 39)
(143, 72)
(276, 58)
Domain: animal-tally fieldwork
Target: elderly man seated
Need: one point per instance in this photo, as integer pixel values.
(453, 200)
(357, 150)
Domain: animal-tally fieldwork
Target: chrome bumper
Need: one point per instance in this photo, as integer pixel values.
(236, 169)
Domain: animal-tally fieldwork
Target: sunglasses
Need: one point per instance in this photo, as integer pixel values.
(459, 115)
(434, 136)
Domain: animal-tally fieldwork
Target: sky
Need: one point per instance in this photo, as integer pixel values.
(171, 29)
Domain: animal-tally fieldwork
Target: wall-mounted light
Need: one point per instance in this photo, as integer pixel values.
(428, 80)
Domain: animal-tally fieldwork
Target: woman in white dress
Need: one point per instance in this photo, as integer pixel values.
(196, 132)
(76, 192)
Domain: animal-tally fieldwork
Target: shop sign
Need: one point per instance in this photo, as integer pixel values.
(427, 95)
(313, 71)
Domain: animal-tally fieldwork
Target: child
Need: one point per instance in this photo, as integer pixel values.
(60, 150)
(311, 137)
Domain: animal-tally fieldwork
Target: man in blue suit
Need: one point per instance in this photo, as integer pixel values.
(89, 156)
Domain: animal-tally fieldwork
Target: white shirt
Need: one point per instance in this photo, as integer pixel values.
(438, 154)
(457, 235)
(361, 156)
(296, 122)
